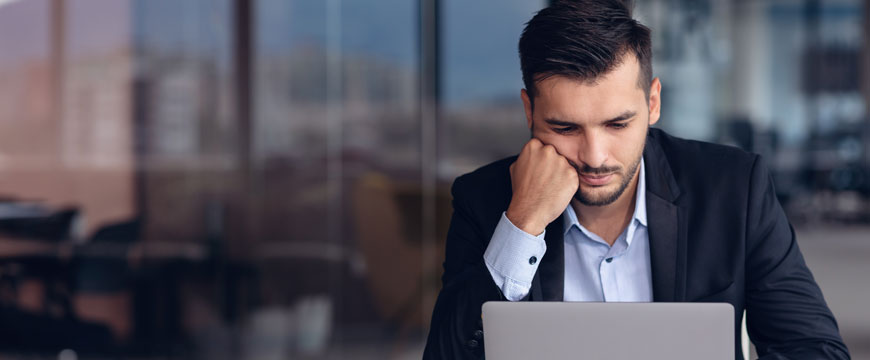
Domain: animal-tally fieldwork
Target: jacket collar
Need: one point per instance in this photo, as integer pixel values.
(667, 223)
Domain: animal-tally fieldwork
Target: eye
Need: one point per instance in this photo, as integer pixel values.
(563, 130)
(618, 126)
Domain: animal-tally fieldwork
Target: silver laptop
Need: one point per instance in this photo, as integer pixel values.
(612, 331)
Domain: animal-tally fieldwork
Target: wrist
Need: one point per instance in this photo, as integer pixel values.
(525, 222)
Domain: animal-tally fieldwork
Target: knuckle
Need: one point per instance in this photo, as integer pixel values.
(570, 170)
(553, 151)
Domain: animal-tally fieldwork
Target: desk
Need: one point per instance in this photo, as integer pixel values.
(98, 282)
(17, 248)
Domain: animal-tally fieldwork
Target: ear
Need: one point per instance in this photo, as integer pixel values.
(655, 101)
(527, 104)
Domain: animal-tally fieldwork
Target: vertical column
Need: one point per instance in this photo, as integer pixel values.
(244, 90)
(751, 87)
(243, 78)
(58, 56)
(865, 86)
(334, 143)
(429, 100)
(865, 59)
(243, 199)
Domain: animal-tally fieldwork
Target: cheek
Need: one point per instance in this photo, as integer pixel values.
(628, 148)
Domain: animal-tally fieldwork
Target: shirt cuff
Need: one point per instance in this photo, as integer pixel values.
(512, 258)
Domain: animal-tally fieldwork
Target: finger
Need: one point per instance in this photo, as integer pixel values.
(526, 147)
(550, 149)
(572, 173)
(558, 153)
(553, 152)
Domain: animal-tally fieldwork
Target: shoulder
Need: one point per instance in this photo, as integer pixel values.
(493, 173)
(693, 160)
(489, 185)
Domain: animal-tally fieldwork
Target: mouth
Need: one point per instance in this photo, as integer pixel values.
(596, 180)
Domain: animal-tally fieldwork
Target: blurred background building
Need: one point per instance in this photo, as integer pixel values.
(240, 179)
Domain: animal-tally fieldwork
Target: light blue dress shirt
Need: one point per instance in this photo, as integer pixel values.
(594, 270)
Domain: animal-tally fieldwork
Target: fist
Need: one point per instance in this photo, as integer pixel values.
(543, 183)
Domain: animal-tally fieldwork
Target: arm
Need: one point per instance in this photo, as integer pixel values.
(787, 317)
(467, 284)
(511, 258)
(476, 267)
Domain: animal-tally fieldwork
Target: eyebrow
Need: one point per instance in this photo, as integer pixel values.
(624, 116)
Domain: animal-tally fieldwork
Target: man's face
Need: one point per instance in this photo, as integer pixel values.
(599, 127)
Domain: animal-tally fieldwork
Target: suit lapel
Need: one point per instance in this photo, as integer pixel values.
(667, 225)
(663, 232)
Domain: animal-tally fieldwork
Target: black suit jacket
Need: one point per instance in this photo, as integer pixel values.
(716, 234)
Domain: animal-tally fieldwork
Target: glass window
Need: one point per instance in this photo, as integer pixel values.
(480, 83)
(336, 154)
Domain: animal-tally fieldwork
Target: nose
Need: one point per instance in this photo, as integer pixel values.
(593, 151)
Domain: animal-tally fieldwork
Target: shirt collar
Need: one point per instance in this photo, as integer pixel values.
(639, 204)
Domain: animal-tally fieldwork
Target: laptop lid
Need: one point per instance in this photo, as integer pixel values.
(596, 330)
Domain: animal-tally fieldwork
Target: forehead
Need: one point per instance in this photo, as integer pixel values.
(578, 100)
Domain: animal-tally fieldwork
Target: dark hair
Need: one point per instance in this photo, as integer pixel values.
(583, 39)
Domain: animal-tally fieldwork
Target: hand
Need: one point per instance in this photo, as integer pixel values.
(543, 183)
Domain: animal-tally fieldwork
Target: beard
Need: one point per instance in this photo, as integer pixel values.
(589, 198)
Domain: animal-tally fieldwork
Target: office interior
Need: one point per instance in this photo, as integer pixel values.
(270, 179)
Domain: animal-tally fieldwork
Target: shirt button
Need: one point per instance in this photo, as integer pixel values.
(478, 334)
(533, 260)
(472, 343)
(609, 260)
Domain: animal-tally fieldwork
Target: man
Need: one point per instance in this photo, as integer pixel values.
(598, 206)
